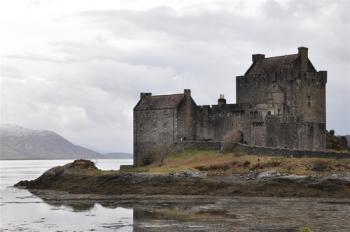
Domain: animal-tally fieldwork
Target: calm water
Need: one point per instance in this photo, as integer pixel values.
(22, 211)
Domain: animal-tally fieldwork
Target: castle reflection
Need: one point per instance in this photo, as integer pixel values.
(207, 213)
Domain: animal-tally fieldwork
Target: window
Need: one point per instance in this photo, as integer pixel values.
(309, 101)
(274, 77)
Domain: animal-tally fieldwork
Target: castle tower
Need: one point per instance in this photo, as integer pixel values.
(291, 93)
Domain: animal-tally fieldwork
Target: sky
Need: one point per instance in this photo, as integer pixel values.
(77, 67)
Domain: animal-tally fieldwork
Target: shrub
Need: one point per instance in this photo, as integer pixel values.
(320, 166)
(305, 229)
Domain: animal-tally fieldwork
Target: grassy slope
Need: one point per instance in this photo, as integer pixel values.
(218, 163)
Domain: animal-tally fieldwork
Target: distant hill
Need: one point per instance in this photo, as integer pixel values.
(117, 156)
(21, 143)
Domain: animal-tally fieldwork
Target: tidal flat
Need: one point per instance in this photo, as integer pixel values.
(213, 213)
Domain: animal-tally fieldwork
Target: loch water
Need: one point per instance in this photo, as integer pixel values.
(20, 210)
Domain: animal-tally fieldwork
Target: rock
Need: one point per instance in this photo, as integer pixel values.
(191, 174)
(52, 173)
(22, 184)
(82, 164)
(292, 177)
(268, 174)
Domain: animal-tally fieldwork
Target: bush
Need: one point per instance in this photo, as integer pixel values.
(320, 166)
(231, 139)
(305, 229)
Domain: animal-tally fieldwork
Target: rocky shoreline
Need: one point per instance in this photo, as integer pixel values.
(82, 177)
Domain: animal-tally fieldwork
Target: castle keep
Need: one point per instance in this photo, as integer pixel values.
(281, 102)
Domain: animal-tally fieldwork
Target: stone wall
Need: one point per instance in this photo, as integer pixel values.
(154, 131)
(269, 151)
(214, 122)
(200, 145)
(292, 132)
(186, 122)
(260, 150)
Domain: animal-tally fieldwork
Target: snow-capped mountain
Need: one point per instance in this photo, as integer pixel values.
(17, 142)
(15, 130)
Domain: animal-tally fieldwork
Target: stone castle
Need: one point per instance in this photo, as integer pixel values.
(281, 102)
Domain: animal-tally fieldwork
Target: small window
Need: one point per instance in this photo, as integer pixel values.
(268, 112)
(309, 101)
(311, 129)
(274, 78)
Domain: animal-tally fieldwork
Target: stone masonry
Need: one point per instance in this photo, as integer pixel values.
(281, 102)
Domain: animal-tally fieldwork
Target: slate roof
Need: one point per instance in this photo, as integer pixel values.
(160, 102)
(272, 64)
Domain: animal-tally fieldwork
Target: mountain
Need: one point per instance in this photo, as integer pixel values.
(21, 143)
(117, 156)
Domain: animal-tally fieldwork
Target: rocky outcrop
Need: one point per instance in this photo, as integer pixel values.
(82, 177)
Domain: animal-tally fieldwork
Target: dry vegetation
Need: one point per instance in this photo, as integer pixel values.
(218, 163)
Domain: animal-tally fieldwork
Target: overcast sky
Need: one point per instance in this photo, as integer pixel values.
(77, 66)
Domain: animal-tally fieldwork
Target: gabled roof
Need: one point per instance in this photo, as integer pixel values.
(160, 102)
(272, 64)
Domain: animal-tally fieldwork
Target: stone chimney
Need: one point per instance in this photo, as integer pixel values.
(323, 76)
(303, 54)
(187, 92)
(256, 57)
(143, 95)
(221, 100)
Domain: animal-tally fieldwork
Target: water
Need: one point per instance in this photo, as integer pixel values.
(20, 210)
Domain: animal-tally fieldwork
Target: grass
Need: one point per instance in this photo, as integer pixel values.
(218, 163)
(306, 229)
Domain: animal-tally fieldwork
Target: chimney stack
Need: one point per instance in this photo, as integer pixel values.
(221, 100)
(187, 92)
(143, 95)
(256, 57)
(303, 54)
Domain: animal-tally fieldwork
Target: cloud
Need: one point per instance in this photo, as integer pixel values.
(80, 69)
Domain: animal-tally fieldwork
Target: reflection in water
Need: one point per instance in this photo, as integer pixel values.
(203, 213)
(21, 210)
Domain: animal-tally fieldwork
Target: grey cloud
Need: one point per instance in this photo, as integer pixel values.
(86, 89)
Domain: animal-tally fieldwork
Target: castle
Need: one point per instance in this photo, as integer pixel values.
(281, 102)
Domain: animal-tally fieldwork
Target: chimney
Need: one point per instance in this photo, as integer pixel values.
(303, 54)
(187, 92)
(323, 76)
(221, 100)
(256, 57)
(143, 95)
